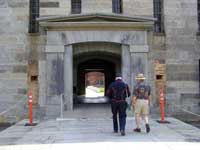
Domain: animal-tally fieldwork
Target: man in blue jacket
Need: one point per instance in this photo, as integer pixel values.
(117, 93)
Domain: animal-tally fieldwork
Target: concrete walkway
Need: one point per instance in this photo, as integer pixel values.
(91, 133)
(89, 126)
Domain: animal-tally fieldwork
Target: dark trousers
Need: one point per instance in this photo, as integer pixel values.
(120, 109)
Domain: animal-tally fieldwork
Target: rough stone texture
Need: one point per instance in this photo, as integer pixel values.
(181, 29)
(126, 64)
(95, 6)
(18, 3)
(13, 57)
(98, 50)
(92, 47)
(136, 39)
(184, 75)
(55, 74)
(68, 81)
(182, 52)
(138, 7)
(130, 7)
(19, 69)
(54, 83)
(190, 102)
(49, 4)
(63, 9)
(42, 83)
(71, 37)
(3, 3)
(138, 65)
(178, 46)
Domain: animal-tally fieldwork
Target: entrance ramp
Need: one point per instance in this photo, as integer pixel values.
(94, 100)
(86, 134)
(92, 110)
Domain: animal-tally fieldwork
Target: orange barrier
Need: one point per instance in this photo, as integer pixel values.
(30, 104)
(30, 108)
(162, 106)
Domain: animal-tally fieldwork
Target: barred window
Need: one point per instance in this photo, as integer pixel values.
(198, 9)
(33, 14)
(76, 6)
(158, 13)
(117, 6)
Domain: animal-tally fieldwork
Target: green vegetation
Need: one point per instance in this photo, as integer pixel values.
(101, 90)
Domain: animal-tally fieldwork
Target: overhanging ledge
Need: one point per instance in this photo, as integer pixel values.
(96, 16)
(97, 21)
(98, 25)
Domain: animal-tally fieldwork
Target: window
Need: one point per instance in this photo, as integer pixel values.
(76, 6)
(158, 13)
(117, 6)
(198, 9)
(33, 14)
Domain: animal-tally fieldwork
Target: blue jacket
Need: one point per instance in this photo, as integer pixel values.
(118, 91)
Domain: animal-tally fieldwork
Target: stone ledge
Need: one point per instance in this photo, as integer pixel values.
(55, 49)
(49, 4)
(139, 48)
(159, 34)
(198, 33)
(190, 95)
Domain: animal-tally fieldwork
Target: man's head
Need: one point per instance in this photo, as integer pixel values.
(118, 76)
(140, 77)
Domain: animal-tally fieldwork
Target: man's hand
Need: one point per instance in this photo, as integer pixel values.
(149, 100)
(134, 100)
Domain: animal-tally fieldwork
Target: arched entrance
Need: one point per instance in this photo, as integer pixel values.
(69, 42)
(94, 68)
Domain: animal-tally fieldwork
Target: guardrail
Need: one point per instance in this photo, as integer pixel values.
(61, 105)
(5, 113)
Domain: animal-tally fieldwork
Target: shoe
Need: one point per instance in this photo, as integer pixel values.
(115, 131)
(122, 133)
(137, 130)
(147, 128)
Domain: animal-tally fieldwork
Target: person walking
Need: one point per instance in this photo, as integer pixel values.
(117, 92)
(141, 100)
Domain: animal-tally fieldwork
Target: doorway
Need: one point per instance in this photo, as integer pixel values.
(94, 83)
(93, 79)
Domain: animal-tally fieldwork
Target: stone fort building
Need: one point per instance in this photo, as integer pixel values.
(48, 46)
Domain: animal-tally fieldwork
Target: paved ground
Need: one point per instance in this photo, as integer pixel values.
(96, 133)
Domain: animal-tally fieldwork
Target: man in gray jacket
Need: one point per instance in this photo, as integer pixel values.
(141, 101)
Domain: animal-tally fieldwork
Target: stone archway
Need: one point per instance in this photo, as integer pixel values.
(88, 56)
(96, 55)
(106, 67)
(59, 58)
(131, 34)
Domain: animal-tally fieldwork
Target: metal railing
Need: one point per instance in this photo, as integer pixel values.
(61, 105)
(11, 112)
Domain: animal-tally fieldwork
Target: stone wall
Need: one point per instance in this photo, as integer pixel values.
(63, 7)
(138, 7)
(55, 7)
(178, 47)
(182, 55)
(13, 58)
